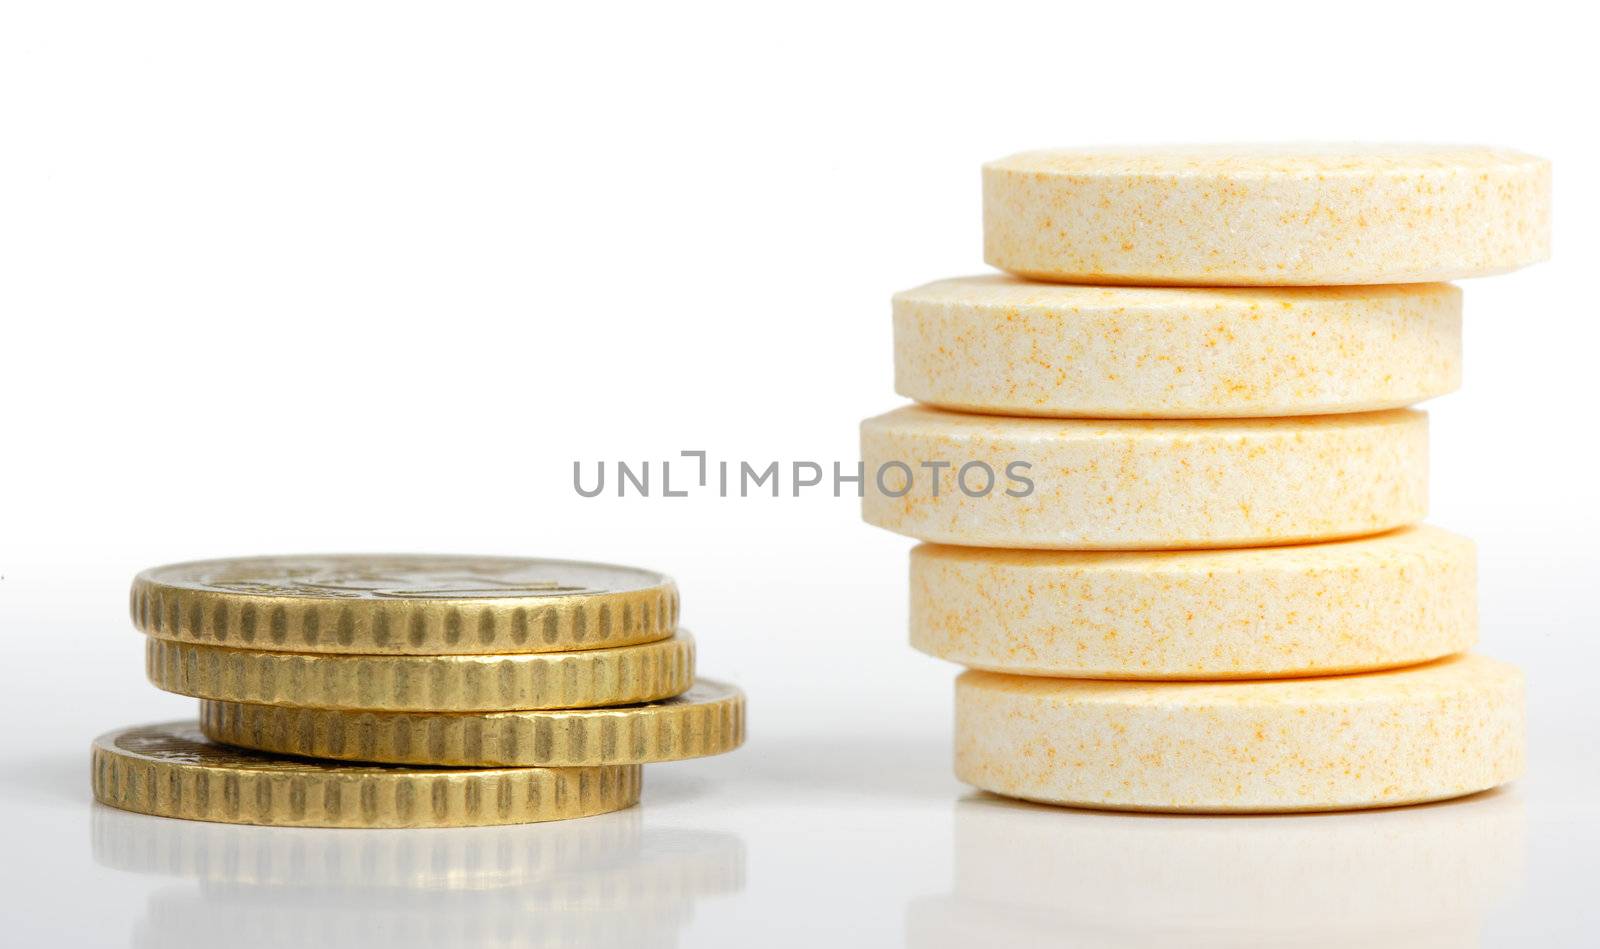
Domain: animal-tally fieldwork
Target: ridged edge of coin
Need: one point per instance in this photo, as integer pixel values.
(583, 679)
(403, 627)
(341, 796)
(709, 719)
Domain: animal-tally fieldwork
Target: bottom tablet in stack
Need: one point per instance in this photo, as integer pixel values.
(1425, 733)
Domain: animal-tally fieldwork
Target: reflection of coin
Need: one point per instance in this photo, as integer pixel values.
(582, 679)
(171, 770)
(673, 867)
(1422, 733)
(706, 720)
(448, 858)
(183, 916)
(394, 604)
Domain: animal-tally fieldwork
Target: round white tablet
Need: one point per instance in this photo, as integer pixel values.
(1247, 215)
(1067, 484)
(1423, 733)
(1006, 346)
(1395, 599)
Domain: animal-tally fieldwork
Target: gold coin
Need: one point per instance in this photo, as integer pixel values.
(171, 770)
(706, 720)
(403, 604)
(583, 679)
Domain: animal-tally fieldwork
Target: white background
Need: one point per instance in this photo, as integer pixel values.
(334, 276)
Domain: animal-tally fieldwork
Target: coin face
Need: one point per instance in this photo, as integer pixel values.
(172, 770)
(391, 576)
(404, 604)
(183, 744)
(460, 860)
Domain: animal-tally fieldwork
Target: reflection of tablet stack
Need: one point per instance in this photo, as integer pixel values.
(440, 690)
(1401, 877)
(1167, 489)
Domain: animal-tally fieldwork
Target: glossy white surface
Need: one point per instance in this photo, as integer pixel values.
(804, 839)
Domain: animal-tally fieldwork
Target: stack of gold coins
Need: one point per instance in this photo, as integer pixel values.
(410, 691)
(1170, 484)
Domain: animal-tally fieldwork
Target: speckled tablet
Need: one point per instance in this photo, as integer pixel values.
(1077, 484)
(1395, 599)
(1249, 215)
(1006, 346)
(1422, 733)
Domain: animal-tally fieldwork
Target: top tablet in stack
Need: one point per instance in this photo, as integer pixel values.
(1284, 215)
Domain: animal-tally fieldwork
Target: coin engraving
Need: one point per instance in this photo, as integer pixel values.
(387, 578)
(404, 604)
(187, 745)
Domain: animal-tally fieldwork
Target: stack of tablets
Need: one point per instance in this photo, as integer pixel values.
(1171, 487)
(377, 691)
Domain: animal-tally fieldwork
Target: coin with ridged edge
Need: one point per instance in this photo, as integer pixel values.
(172, 770)
(706, 720)
(587, 678)
(404, 604)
